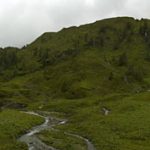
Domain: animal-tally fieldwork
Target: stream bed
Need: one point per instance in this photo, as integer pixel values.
(34, 143)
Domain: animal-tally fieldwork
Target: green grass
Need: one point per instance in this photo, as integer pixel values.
(60, 140)
(77, 72)
(126, 126)
(12, 125)
(81, 61)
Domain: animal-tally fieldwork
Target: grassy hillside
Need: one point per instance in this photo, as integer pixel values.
(86, 60)
(78, 71)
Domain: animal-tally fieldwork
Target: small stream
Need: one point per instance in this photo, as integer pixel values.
(34, 143)
(31, 140)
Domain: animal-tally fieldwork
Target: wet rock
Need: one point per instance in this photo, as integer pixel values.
(105, 111)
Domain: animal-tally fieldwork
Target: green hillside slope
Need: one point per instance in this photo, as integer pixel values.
(78, 71)
(85, 60)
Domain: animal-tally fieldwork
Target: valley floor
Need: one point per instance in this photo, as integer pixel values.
(126, 126)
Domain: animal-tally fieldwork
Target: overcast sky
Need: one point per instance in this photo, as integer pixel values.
(21, 21)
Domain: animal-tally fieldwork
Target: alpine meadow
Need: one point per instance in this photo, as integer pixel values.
(82, 88)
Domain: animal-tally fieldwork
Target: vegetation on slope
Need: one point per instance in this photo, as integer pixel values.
(112, 49)
(80, 70)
